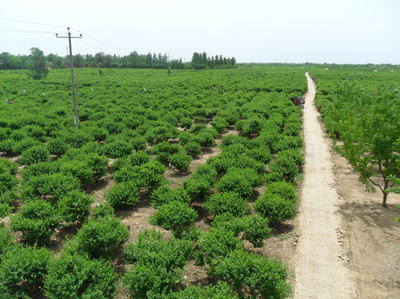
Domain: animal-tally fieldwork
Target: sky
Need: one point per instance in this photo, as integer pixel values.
(291, 31)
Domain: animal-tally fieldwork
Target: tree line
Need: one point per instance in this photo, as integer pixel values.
(202, 61)
(102, 60)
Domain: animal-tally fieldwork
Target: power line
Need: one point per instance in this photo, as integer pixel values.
(31, 22)
(16, 30)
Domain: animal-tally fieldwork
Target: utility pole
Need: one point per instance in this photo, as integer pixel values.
(71, 65)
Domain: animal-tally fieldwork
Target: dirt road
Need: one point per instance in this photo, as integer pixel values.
(320, 262)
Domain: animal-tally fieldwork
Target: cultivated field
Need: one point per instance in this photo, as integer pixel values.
(199, 184)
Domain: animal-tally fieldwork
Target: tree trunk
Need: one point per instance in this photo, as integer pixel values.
(385, 195)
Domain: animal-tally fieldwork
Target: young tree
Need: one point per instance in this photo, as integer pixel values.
(38, 64)
(371, 141)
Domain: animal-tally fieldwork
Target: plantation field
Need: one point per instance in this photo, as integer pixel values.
(170, 188)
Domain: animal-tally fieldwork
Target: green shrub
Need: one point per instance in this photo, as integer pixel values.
(174, 216)
(228, 202)
(38, 169)
(22, 272)
(233, 139)
(135, 159)
(7, 166)
(151, 250)
(275, 208)
(206, 138)
(249, 127)
(35, 154)
(97, 163)
(260, 154)
(256, 230)
(7, 146)
(24, 144)
(198, 189)
(138, 143)
(216, 243)
(193, 148)
(219, 291)
(101, 211)
(228, 222)
(282, 189)
(117, 149)
(123, 195)
(57, 146)
(205, 172)
(79, 170)
(98, 133)
(77, 138)
(37, 221)
(145, 282)
(180, 161)
(165, 194)
(76, 276)
(220, 125)
(5, 209)
(185, 123)
(260, 276)
(241, 181)
(282, 168)
(74, 206)
(49, 186)
(100, 238)
(149, 175)
(7, 182)
(6, 242)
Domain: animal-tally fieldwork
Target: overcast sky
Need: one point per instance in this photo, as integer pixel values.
(340, 31)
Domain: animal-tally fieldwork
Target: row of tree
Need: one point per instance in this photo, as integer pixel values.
(102, 60)
(202, 61)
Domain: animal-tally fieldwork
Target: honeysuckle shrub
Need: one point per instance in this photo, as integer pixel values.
(99, 238)
(102, 210)
(77, 276)
(275, 208)
(35, 154)
(148, 175)
(74, 206)
(37, 221)
(123, 195)
(221, 290)
(253, 274)
(151, 249)
(22, 272)
(165, 194)
(180, 161)
(240, 181)
(282, 189)
(49, 187)
(193, 149)
(227, 202)
(216, 243)
(197, 188)
(175, 216)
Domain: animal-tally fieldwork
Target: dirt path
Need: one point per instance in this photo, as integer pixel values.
(320, 262)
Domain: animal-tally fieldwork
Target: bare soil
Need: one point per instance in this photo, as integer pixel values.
(372, 234)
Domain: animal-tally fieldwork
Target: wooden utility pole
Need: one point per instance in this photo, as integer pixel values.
(71, 66)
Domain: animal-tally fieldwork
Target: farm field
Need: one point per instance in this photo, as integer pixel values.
(179, 186)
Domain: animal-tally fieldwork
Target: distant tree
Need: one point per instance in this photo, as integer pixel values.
(38, 64)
